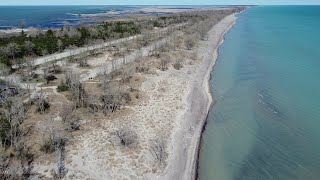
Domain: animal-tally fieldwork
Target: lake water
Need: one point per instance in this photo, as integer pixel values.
(55, 16)
(266, 83)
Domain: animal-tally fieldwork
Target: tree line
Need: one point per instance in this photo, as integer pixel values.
(15, 49)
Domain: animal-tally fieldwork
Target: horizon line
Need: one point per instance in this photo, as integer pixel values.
(160, 5)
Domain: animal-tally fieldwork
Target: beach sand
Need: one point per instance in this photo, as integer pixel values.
(186, 141)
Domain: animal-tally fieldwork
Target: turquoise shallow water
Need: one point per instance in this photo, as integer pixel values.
(266, 120)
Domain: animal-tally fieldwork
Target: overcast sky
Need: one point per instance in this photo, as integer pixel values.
(156, 2)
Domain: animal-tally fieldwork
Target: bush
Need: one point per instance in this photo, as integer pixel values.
(4, 131)
(126, 136)
(47, 146)
(55, 69)
(142, 69)
(125, 97)
(52, 143)
(49, 78)
(62, 87)
(72, 122)
(178, 65)
(107, 99)
(190, 43)
(163, 65)
(42, 105)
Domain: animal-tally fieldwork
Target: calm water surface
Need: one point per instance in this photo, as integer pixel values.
(55, 16)
(266, 121)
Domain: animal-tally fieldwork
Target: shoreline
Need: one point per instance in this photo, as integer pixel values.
(187, 139)
(197, 163)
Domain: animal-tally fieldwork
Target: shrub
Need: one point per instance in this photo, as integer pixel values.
(178, 65)
(62, 87)
(142, 69)
(55, 69)
(163, 66)
(72, 122)
(126, 136)
(4, 131)
(50, 77)
(52, 143)
(107, 99)
(126, 97)
(83, 63)
(47, 146)
(42, 105)
(190, 43)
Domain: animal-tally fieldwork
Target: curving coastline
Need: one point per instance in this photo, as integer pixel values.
(208, 88)
(182, 164)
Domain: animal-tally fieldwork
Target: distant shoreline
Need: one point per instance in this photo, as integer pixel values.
(81, 15)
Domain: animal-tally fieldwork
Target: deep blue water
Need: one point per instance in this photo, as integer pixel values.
(54, 16)
(266, 83)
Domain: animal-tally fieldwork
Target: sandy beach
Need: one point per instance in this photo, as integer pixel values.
(186, 139)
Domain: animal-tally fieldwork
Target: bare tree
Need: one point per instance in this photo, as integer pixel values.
(72, 79)
(108, 97)
(69, 117)
(106, 80)
(57, 144)
(77, 88)
(93, 103)
(41, 101)
(175, 40)
(12, 50)
(163, 64)
(14, 112)
(61, 170)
